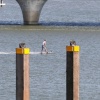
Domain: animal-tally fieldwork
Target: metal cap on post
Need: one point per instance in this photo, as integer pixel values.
(72, 71)
(22, 72)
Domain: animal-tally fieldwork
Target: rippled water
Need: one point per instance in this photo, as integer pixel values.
(48, 72)
(63, 12)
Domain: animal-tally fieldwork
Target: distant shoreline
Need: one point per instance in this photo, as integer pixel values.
(49, 28)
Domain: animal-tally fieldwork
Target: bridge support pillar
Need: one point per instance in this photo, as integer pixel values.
(31, 10)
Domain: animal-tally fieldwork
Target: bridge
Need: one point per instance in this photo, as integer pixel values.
(31, 10)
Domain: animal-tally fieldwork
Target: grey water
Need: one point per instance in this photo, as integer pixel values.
(48, 72)
(56, 12)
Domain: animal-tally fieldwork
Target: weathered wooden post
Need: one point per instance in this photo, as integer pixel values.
(22, 73)
(72, 71)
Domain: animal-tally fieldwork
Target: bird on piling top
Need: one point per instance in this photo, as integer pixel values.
(72, 43)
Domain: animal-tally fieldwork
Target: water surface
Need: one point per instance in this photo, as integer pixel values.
(48, 72)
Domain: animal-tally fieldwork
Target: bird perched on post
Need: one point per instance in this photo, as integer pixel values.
(72, 43)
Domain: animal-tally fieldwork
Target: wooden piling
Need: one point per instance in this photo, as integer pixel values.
(22, 74)
(72, 72)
